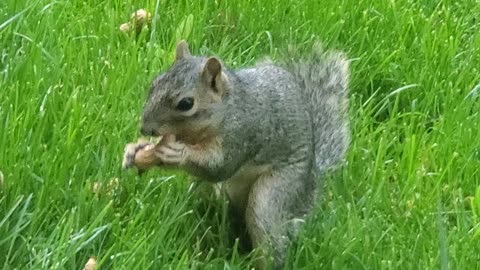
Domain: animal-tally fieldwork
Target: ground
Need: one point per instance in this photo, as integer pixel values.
(72, 87)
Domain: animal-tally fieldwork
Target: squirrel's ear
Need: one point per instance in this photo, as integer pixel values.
(213, 75)
(182, 50)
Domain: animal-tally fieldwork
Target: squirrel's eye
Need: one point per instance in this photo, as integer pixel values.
(185, 104)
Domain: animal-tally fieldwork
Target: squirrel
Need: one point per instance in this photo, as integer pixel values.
(265, 133)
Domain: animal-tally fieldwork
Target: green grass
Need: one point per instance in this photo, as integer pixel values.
(71, 91)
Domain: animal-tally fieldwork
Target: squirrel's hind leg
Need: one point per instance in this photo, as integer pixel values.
(276, 203)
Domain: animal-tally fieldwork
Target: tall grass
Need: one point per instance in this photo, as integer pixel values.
(71, 90)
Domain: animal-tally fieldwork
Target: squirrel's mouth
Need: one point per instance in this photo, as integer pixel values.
(153, 130)
(186, 135)
(147, 130)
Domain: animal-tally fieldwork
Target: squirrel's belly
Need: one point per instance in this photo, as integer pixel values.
(238, 186)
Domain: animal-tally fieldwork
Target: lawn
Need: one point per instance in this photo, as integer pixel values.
(72, 86)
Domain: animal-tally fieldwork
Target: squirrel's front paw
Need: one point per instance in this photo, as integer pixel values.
(171, 152)
(131, 151)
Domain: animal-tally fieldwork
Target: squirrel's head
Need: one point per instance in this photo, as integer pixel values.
(187, 100)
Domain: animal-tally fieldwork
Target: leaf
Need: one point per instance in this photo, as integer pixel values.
(184, 29)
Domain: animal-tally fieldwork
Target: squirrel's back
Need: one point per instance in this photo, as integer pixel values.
(316, 83)
(274, 107)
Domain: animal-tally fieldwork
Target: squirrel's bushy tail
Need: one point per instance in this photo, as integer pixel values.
(324, 77)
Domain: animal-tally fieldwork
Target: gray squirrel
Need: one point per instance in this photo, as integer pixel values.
(265, 134)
